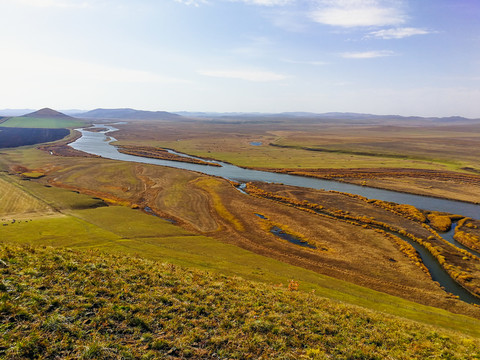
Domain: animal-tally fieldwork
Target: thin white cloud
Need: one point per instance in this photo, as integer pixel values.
(269, 3)
(367, 54)
(248, 75)
(54, 3)
(398, 33)
(31, 67)
(357, 13)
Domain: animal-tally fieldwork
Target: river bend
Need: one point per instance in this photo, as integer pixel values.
(98, 143)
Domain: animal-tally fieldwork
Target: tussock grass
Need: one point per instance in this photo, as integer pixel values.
(57, 303)
(439, 222)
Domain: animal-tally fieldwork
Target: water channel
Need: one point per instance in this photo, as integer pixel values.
(98, 143)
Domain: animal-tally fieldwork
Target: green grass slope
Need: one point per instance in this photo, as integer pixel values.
(48, 123)
(58, 303)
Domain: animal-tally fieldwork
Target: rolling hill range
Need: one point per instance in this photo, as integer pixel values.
(14, 112)
(341, 117)
(128, 114)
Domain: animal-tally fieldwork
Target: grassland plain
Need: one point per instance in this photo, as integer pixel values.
(91, 305)
(403, 219)
(88, 225)
(49, 123)
(354, 146)
(176, 194)
(213, 207)
(218, 210)
(305, 145)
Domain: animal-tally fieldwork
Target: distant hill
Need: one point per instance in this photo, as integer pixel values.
(128, 114)
(337, 117)
(45, 118)
(47, 113)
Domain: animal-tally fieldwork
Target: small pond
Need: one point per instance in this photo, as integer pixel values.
(290, 238)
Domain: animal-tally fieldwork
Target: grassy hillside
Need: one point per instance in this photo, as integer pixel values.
(89, 305)
(50, 123)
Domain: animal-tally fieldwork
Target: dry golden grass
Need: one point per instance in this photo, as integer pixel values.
(439, 222)
(405, 220)
(67, 304)
(16, 203)
(211, 186)
(467, 233)
(357, 254)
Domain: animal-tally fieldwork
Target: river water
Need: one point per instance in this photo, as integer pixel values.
(98, 143)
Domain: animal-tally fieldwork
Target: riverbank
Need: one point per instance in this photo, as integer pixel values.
(438, 184)
(448, 185)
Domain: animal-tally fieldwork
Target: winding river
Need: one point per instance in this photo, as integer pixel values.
(98, 143)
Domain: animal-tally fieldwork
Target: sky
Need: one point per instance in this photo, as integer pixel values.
(405, 57)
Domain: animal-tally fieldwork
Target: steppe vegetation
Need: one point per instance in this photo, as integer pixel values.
(419, 157)
(462, 266)
(214, 208)
(174, 225)
(467, 232)
(159, 153)
(91, 305)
